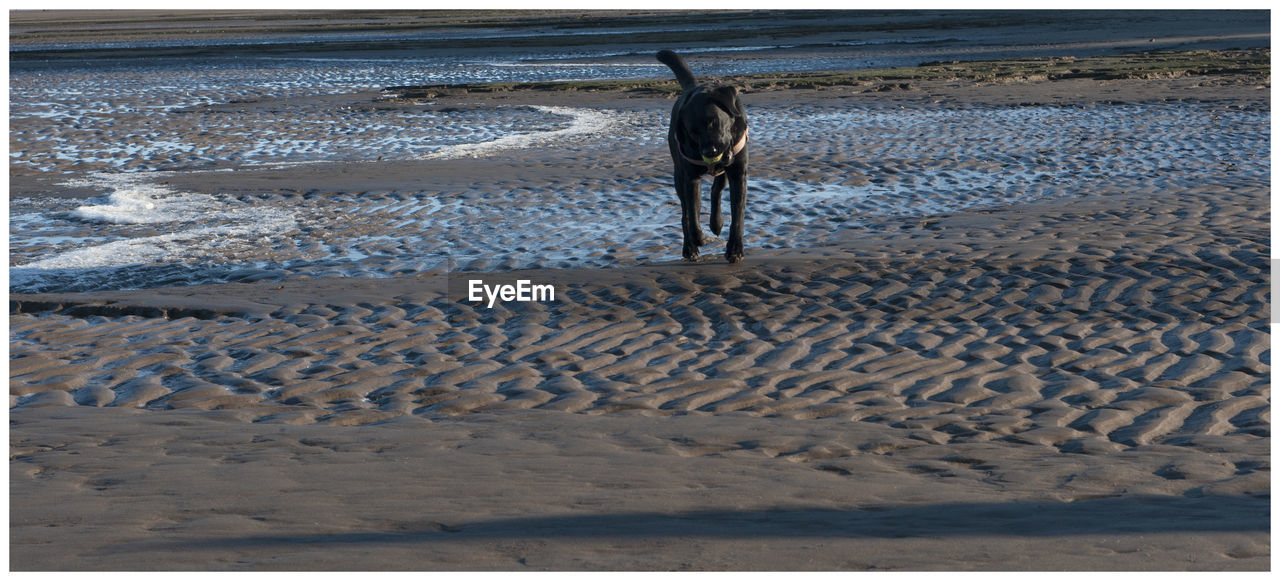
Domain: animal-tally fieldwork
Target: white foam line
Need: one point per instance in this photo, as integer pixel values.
(136, 202)
(162, 249)
(574, 65)
(585, 122)
(148, 205)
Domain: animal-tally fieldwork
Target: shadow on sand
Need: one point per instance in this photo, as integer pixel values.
(1109, 516)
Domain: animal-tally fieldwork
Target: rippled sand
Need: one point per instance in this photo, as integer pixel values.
(1076, 381)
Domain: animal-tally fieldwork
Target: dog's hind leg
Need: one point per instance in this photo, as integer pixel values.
(717, 186)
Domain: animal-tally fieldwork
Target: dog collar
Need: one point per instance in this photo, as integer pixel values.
(737, 148)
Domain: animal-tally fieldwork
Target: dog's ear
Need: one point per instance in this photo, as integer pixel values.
(727, 98)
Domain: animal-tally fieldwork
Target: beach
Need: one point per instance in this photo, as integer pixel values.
(1016, 323)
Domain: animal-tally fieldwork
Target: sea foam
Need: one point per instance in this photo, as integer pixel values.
(194, 227)
(207, 242)
(583, 123)
(147, 204)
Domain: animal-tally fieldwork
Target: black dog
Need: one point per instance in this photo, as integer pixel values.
(708, 136)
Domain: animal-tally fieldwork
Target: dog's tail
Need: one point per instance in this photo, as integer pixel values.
(683, 74)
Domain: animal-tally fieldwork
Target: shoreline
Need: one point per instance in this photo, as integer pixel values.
(1243, 67)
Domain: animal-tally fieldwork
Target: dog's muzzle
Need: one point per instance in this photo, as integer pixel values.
(710, 162)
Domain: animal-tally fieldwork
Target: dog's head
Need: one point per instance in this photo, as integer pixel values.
(713, 120)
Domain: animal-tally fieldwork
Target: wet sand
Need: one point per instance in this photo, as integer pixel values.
(1079, 383)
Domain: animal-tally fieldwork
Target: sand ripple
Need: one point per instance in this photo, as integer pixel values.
(1122, 341)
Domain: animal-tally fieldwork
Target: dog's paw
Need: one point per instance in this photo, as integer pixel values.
(691, 255)
(733, 251)
(716, 223)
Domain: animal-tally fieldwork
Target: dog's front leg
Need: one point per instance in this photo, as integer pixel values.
(738, 212)
(695, 202)
(717, 186)
(688, 189)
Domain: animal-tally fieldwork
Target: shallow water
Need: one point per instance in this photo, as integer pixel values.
(123, 130)
(908, 163)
